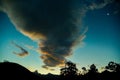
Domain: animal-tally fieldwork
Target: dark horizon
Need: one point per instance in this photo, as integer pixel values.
(70, 71)
(82, 68)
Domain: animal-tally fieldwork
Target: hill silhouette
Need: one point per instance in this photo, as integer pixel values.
(14, 71)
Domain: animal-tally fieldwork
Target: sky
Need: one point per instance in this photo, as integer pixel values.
(100, 45)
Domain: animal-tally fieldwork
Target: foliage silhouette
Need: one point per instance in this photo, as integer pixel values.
(14, 71)
(84, 70)
(69, 69)
(112, 66)
(93, 68)
(92, 73)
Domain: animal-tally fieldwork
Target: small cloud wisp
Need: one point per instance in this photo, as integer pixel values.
(23, 52)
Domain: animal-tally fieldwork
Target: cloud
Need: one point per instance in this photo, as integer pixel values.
(23, 52)
(99, 4)
(55, 24)
(117, 7)
(30, 47)
(47, 68)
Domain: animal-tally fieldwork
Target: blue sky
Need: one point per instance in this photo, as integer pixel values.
(100, 46)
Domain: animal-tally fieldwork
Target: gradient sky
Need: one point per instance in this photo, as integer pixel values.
(100, 46)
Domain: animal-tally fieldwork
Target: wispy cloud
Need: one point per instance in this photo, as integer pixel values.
(47, 68)
(98, 5)
(23, 52)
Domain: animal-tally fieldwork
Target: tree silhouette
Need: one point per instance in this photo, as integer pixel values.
(92, 74)
(114, 67)
(84, 70)
(93, 68)
(69, 72)
(69, 69)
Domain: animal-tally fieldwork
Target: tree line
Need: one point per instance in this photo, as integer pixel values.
(111, 72)
(15, 71)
